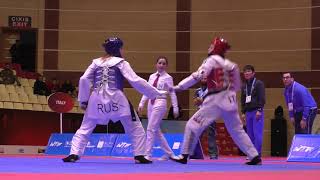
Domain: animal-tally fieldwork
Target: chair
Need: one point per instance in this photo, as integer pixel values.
(20, 90)
(24, 98)
(27, 106)
(14, 97)
(3, 88)
(10, 88)
(42, 99)
(24, 82)
(4, 96)
(80, 110)
(37, 107)
(31, 82)
(8, 105)
(74, 110)
(17, 105)
(33, 99)
(76, 102)
(28, 90)
(45, 107)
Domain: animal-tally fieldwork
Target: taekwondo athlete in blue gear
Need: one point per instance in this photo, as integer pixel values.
(101, 96)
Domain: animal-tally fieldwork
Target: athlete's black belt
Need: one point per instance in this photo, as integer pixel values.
(211, 92)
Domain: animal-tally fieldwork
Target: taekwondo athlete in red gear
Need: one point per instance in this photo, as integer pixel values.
(107, 101)
(223, 81)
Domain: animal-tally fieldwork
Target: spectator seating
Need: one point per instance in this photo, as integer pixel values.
(24, 82)
(22, 97)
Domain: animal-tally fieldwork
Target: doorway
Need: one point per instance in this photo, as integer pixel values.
(19, 46)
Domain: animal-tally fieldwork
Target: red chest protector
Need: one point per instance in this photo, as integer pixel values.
(215, 80)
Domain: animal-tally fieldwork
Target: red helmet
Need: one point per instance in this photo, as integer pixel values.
(218, 46)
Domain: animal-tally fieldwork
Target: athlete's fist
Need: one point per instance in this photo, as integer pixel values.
(140, 109)
(83, 105)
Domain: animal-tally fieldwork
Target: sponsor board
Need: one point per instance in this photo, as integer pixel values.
(98, 144)
(305, 148)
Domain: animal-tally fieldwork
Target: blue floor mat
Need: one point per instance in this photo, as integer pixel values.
(104, 165)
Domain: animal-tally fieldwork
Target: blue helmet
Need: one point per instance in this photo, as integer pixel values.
(112, 46)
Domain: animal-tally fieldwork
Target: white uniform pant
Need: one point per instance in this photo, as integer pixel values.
(133, 128)
(215, 106)
(156, 112)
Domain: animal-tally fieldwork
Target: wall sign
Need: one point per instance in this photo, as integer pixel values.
(19, 21)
